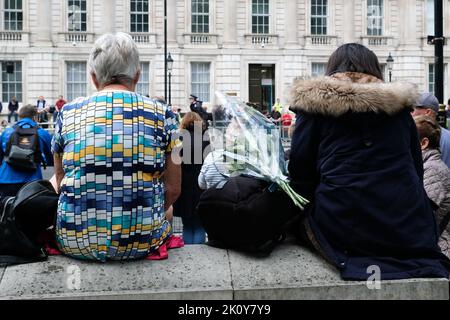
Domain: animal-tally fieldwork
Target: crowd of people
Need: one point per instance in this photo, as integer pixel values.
(368, 155)
(42, 108)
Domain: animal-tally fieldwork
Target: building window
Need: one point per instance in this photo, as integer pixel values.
(143, 86)
(318, 69)
(431, 78)
(13, 15)
(430, 17)
(200, 16)
(431, 83)
(319, 17)
(77, 15)
(76, 80)
(375, 17)
(260, 16)
(139, 16)
(200, 80)
(11, 80)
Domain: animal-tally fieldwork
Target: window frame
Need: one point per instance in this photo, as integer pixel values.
(326, 17)
(313, 63)
(265, 15)
(429, 83)
(203, 14)
(212, 17)
(148, 82)
(16, 11)
(67, 82)
(383, 18)
(143, 13)
(191, 89)
(22, 93)
(65, 18)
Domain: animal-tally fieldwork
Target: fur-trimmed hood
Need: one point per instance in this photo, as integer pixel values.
(351, 92)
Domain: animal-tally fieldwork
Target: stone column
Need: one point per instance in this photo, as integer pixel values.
(291, 22)
(108, 16)
(230, 19)
(172, 20)
(44, 23)
(407, 23)
(349, 21)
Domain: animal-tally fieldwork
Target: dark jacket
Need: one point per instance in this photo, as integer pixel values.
(196, 107)
(355, 154)
(190, 170)
(13, 107)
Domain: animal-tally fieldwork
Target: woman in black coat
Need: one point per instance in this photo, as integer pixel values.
(355, 154)
(192, 130)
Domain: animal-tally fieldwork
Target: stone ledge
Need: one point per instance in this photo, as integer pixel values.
(201, 272)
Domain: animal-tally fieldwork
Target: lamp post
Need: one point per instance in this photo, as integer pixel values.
(169, 69)
(390, 65)
(165, 49)
(439, 42)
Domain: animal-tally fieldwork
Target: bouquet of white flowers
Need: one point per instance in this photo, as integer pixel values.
(253, 146)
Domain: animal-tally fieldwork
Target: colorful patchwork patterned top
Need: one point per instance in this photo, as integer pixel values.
(114, 146)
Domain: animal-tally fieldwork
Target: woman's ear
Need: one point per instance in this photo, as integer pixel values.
(424, 143)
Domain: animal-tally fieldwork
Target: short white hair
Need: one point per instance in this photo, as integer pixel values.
(114, 57)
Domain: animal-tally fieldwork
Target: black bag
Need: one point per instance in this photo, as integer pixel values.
(247, 214)
(23, 219)
(23, 151)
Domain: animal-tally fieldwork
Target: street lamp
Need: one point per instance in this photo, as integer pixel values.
(169, 70)
(165, 49)
(390, 65)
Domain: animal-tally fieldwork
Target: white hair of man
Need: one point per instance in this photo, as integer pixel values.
(114, 59)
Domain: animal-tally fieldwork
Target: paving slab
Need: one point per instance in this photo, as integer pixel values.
(191, 272)
(294, 272)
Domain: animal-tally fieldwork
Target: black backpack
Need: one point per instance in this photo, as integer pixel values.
(247, 214)
(23, 219)
(23, 150)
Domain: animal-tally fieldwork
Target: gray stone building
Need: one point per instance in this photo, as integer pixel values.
(249, 48)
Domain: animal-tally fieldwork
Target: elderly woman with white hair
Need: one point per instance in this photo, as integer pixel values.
(113, 165)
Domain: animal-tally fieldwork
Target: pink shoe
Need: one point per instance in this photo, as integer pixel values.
(159, 254)
(175, 242)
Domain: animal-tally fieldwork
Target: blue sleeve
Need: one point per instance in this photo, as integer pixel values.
(4, 137)
(45, 143)
(303, 157)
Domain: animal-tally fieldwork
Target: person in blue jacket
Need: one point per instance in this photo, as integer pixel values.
(12, 179)
(356, 156)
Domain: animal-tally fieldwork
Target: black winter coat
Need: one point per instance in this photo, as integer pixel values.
(13, 107)
(190, 170)
(355, 154)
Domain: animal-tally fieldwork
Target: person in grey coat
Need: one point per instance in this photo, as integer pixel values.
(436, 175)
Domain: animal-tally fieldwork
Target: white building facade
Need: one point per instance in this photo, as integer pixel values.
(249, 48)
